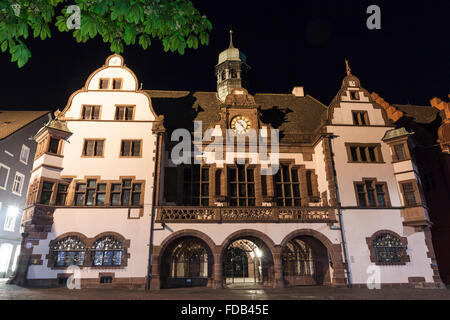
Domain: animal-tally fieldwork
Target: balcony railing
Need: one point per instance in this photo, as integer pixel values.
(176, 214)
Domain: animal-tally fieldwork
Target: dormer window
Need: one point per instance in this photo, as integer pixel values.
(354, 95)
(117, 84)
(104, 84)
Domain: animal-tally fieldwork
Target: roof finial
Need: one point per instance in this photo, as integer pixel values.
(348, 67)
(231, 38)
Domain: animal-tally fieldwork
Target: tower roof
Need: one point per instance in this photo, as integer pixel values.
(231, 53)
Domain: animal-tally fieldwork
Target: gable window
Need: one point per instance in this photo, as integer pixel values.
(90, 113)
(287, 187)
(241, 186)
(196, 186)
(399, 152)
(371, 193)
(19, 180)
(10, 220)
(117, 84)
(409, 193)
(360, 118)
(93, 148)
(131, 148)
(4, 173)
(358, 152)
(354, 95)
(124, 113)
(24, 154)
(69, 251)
(107, 251)
(104, 84)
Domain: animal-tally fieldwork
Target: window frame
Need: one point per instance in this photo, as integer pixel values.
(118, 106)
(374, 184)
(291, 184)
(415, 192)
(404, 258)
(10, 221)
(7, 176)
(24, 147)
(85, 140)
(245, 182)
(377, 152)
(360, 116)
(141, 142)
(22, 183)
(201, 182)
(108, 80)
(91, 106)
(112, 83)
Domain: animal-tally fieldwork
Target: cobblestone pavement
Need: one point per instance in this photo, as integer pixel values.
(13, 292)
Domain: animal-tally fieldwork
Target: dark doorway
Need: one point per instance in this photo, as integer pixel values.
(187, 262)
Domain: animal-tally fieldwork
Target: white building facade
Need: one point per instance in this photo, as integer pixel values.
(109, 195)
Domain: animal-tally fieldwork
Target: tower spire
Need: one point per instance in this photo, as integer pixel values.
(231, 38)
(347, 66)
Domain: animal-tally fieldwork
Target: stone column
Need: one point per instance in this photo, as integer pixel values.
(278, 267)
(218, 268)
(155, 283)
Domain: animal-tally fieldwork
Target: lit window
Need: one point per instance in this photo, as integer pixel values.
(24, 154)
(107, 252)
(18, 184)
(69, 251)
(5, 256)
(4, 173)
(10, 220)
(16, 256)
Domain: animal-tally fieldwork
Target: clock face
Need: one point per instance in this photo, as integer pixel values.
(240, 124)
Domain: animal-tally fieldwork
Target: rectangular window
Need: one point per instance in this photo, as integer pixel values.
(131, 148)
(371, 193)
(93, 148)
(4, 174)
(124, 113)
(80, 194)
(196, 186)
(53, 146)
(360, 118)
(90, 113)
(104, 84)
(46, 193)
(10, 220)
(399, 152)
(61, 194)
(287, 187)
(127, 193)
(354, 95)
(24, 154)
(242, 186)
(117, 84)
(368, 153)
(409, 194)
(19, 180)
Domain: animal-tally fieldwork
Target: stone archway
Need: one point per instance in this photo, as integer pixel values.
(184, 259)
(322, 246)
(257, 259)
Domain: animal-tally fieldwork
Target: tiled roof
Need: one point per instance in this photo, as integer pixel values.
(297, 118)
(11, 121)
(421, 114)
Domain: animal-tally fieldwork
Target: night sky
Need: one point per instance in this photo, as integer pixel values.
(287, 43)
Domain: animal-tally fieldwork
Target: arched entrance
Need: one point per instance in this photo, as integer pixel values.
(247, 261)
(305, 261)
(186, 262)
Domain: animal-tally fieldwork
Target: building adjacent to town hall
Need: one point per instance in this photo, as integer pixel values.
(317, 195)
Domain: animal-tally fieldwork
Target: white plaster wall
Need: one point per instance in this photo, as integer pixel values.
(343, 114)
(361, 224)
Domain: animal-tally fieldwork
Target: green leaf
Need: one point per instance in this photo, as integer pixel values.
(145, 41)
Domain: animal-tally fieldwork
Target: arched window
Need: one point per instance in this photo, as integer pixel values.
(69, 251)
(388, 248)
(107, 251)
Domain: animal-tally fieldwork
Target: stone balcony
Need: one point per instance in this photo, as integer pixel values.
(177, 214)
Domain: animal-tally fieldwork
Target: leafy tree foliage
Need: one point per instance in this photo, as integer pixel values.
(177, 23)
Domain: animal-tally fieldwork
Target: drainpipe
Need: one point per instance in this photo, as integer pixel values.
(155, 203)
(341, 217)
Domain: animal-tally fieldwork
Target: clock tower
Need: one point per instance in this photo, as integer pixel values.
(231, 70)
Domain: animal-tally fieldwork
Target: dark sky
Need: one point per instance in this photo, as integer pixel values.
(287, 43)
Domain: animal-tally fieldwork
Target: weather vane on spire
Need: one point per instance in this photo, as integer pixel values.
(231, 38)
(348, 67)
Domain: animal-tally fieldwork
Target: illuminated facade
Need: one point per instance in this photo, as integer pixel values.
(109, 196)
